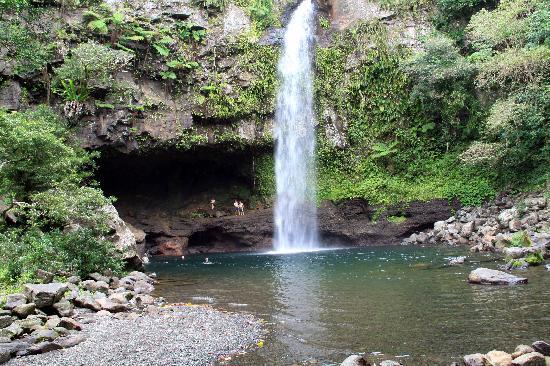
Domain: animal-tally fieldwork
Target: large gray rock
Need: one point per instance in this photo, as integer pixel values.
(64, 308)
(10, 96)
(235, 21)
(87, 302)
(14, 300)
(521, 350)
(45, 335)
(486, 276)
(43, 348)
(70, 341)
(11, 331)
(143, 287)
(498, 358)
(530, 359)
(476, 359)
(110, 306)
(44, 295)
(9, 350)
(95, 286)
(24, 310)
(70, 323)
(123, 238)
(6, 320)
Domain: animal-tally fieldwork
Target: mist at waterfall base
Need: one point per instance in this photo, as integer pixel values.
(295, 207)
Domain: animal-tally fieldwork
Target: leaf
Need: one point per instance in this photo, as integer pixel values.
(133, 38)
(118, 18)
(168, 75)
(99, 26)
(161, 49)
(166, 40)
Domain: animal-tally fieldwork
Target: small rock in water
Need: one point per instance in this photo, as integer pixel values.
(356, 360)
(486, 276)
(499, 358)
(455, 261)
(542, 347)
(530, 359)
(548, 267)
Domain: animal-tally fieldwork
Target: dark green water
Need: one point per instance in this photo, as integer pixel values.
(401, 301)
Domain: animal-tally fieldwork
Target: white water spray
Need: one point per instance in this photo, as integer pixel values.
(295, 207)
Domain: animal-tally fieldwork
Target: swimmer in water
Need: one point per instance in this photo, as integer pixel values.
(206, 261)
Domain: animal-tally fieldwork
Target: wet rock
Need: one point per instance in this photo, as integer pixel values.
(516, 252)
(506, 216)
(14, 300)
(70, 341)
(455, 261)
(486, 276)
(514, 225)
(521, 350)
(530, 359)
(123, 239)
(498, 358)
(64, 308)
(467, 229)
(44, 295)
(10, 349)
(144, 300)
(53, 322)
(24, 310)
(542, 347)
(44, 276)
(122, 297)
(476, 359)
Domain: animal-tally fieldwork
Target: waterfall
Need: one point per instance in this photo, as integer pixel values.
(295, 206)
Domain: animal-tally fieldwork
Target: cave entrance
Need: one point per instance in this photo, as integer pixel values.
(215, 240)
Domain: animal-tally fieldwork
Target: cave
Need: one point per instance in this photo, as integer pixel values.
(215, 239)
(167, 192)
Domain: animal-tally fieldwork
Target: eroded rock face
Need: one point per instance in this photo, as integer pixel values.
(123, 237)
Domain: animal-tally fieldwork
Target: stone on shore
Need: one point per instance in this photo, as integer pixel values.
(24, 310)
(498, 358)
(64, 308)
(70, 341)
(355, 360)
(530, 359)
(6, 320)
(476, 359)
(486, 276)
(44, 295)
(390, 363)
(542, 347)
(521, 350)
(15, 300)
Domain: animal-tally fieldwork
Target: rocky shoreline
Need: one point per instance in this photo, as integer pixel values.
(516, 227)
(107, 320)
(538, 354)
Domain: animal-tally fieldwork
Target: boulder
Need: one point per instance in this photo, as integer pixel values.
(467, 229)
(14, 300)
(70, 341)
(53, 322)
(123, 238)
(44, 335)
(70, 323)
(514, 225)
(121, 297)
(11, 331)
(99, 277)
(6, 321)
(530, 359)
(476, 359)
(235, 21)
(24, 310)
(390, 363)
(517, 252)
(87, 302)
(44, 295)
(31, 324)
(62, 331)
(10, 95)
(110, 306)
(44, 276)
(43, 347)
(144, 300)
(136, 275)
(355, 360)
(506, 216)
(142, 287)
(486, 276)
(10, 349)
(498, 358)
(75, 280)
(455, 261)
(95, 286)
(521, 350)
(64, 308)
(542, 347)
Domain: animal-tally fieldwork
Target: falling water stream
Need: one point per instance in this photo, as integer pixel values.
(295, 208)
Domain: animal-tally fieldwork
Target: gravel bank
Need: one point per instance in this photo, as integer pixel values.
(177, 336)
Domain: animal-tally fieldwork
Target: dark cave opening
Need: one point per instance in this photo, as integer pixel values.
(174, 182)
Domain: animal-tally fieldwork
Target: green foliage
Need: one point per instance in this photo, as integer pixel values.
(90, 66)
(265, 175)
(535, 259)
(30, 51)
(396, 219)
(443, 85)
(520, 239)
(79, 252)
(406, 6)
(13, 5)
(35, 153)
(324, 22)
(189, 32)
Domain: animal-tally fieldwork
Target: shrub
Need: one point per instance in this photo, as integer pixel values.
(35, 153)
(535, 259)
(90, 66)
(520, 239)
(78, 252)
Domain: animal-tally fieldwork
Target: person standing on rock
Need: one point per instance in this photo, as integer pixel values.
(241, 208)
(237, 209)
(212, 204)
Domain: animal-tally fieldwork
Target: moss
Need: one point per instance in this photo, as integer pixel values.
(535, 259)
(520, 239)
(396, 219)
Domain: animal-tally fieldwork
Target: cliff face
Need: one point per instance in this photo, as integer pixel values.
(185, 113)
